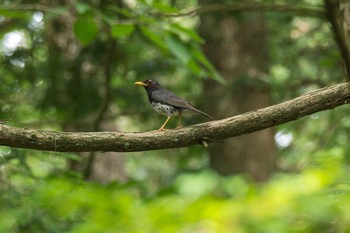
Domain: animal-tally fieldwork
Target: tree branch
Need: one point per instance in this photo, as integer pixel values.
(249, 6)
(244, 6)
(319, 100)
(33, 7)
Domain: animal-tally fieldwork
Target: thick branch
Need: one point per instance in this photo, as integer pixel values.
(319, 100)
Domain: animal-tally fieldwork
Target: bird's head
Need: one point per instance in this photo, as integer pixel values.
(149, 84)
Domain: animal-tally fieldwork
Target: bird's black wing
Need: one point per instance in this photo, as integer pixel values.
(167, 97)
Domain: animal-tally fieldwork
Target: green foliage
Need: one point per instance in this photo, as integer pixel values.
(315, 200)
(85, 29)
(119, 31)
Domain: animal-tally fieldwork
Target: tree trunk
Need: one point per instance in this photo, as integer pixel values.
(69, 84)
(236, 44)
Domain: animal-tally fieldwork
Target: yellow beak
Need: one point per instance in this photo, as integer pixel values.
(141, 84)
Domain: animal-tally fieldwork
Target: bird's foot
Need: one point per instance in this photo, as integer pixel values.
(161, 129)
(179, 126)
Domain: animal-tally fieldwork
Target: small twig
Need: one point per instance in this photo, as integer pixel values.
(31, 7)
(247, 6)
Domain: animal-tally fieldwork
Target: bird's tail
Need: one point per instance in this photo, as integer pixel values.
(206, 115)
(203, 113)
(193, 109)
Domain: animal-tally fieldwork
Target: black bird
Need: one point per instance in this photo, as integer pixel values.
(167, 103)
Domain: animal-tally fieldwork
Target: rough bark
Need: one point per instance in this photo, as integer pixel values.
(319, 100)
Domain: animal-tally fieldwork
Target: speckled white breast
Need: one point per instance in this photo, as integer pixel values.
(165, 109)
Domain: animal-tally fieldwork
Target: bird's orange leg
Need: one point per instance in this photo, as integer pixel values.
(162, 128)
(179, 122)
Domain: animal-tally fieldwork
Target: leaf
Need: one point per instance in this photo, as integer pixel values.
(198, 54)
(82, 7)
(217, 77)
(193, 66)
(16, 14)
(124, 12)
(175, 27)
(208, 67)
(154, 38)
(178, 48)
(164, 8)
(54, 12)
(122, 30)
(60, 10)
(85, 29)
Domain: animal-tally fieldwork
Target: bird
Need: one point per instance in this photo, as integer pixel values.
(166, 102)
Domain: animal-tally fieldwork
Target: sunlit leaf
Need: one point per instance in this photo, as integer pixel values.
(82, 7)
(210, 69)
(154, 38)
(193, 66)
(15, 14)
(217, 77)
(165, 8)
(85, 29)
(122, 30)
(121, 11)
(57, 11)
(175, 27)
(198, 54)
(178, 48)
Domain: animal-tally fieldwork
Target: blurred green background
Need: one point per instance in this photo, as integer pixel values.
(71, 66)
